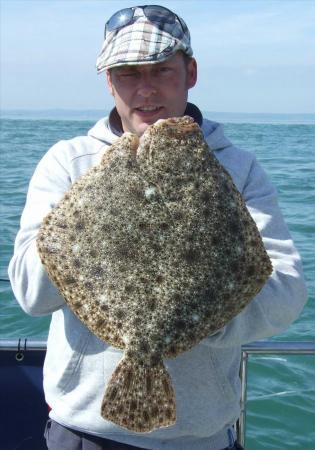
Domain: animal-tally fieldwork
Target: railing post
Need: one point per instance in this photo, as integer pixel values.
(241, 425)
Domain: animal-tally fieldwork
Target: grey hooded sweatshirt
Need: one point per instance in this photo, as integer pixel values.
(78, 365)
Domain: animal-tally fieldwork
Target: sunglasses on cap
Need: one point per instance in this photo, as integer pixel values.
(159, 15)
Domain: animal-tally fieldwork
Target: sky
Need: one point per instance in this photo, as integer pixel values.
(253, 56)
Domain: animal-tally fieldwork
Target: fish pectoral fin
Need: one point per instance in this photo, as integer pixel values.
(140, 397)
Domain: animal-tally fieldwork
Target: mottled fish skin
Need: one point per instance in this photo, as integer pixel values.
(153, 249)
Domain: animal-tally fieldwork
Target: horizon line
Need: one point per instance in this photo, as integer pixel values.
(104, 110)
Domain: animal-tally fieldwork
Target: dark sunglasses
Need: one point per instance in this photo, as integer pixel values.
(160, 16)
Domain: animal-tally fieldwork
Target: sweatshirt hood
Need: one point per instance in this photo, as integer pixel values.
(213, 133)
(102, 131)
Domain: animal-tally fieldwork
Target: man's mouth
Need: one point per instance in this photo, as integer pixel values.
(148, 110)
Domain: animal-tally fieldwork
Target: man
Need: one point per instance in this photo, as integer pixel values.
(149, 67)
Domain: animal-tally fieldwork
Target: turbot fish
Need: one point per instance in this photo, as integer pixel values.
(153, 250)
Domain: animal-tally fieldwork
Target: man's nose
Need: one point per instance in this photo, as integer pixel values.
(146, 91)
(146, 87)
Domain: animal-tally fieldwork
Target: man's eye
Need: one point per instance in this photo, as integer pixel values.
(128, 74)
(165, 69)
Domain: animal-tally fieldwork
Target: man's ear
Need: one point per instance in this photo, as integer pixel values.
(109, 82)
(191, 73)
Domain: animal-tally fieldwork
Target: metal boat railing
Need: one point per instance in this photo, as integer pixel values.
(256, 348)
(263, 348)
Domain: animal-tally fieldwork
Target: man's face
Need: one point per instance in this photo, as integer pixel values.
(145, 93)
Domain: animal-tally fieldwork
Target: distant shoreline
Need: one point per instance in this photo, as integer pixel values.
(96, 114)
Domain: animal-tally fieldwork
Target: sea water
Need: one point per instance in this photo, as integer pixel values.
(281, 389)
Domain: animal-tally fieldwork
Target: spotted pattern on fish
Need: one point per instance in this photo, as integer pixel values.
(153, 249)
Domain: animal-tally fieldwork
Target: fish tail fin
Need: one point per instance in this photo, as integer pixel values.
(140, 397)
